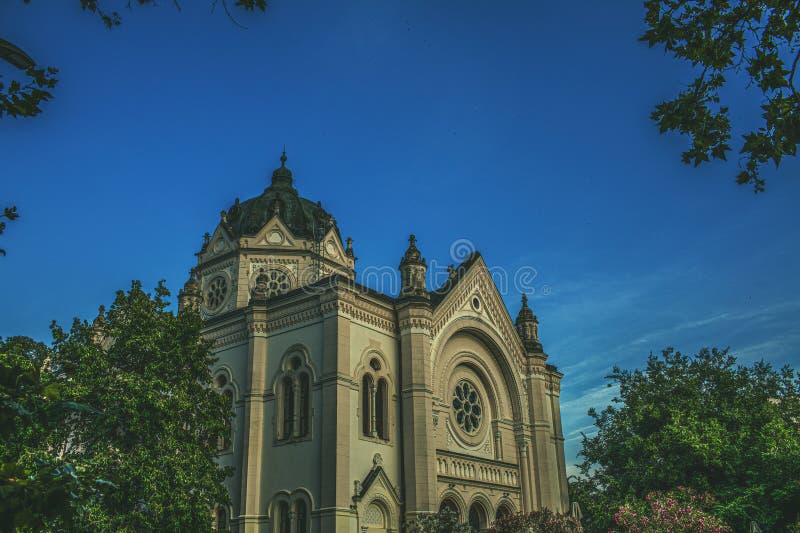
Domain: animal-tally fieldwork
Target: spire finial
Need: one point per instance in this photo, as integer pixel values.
(412, 240)
(524, 300)
(283, 156)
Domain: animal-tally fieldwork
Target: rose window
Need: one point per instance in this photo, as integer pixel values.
(216, 292)
(275, 282)
(467, 407)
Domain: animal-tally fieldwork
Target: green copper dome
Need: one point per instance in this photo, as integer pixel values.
(305, 218)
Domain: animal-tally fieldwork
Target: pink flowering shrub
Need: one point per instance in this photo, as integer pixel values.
(679, 511)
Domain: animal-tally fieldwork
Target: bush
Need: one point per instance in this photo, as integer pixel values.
(544, 521)
(445, 521)
(682, 511)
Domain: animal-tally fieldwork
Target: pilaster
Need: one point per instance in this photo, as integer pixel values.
(419, 448)
(251, 517)
(554, 391)
(334, 509)
(544, 458)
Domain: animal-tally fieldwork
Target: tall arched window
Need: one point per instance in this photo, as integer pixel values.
(288, 407)
(284, 522)
(221, 519)
(381, 403)
(225, 443)
(301, 516)
(477, 517)
(449, 505)
(293, 395)
(502, 512)
(305, 390)
(375, 401)
(366, 404)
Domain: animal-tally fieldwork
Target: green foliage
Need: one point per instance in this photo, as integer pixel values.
(720, 38)
(702, 422)
(36, 486)
(157, 439)
(544, 521)
(22, 99)
(445, 521)
(9, 213)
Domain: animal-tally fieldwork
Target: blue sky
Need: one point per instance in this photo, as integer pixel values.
(521, 126)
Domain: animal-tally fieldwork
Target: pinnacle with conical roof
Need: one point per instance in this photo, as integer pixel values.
(412, 271)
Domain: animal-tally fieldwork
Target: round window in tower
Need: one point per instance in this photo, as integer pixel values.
(467, 407)
(216, 292)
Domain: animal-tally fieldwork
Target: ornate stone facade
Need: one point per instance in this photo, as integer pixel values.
(356, 410)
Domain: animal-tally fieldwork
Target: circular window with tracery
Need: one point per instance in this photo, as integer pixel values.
(467, 407)
(216, 292)
(275, 282)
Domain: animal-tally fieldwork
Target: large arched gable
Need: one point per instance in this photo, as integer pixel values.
(498, 370)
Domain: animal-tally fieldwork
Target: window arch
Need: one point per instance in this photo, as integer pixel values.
(287, 391)
(503, 511)
(305, 397)
(375, 400)
(294, 398)
(291, 512)
(477, 517)
(283, 524)
(449, 505)
(224, 385)
(221, 519)
(301, 516)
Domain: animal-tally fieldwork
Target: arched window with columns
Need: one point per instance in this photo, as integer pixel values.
(300, 516)
(375, 397)
(223, 384)
(293, 391)
(291, 512)
(283, 523)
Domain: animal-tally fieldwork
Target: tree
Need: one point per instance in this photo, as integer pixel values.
(679, 510)
(543, 521)
(156, 440)
(721, 38)
(703, 422)
(445, 521)
(37, 487)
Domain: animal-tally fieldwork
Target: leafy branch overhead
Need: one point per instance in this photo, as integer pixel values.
(759, 39)
(9, 213)
(22, 98)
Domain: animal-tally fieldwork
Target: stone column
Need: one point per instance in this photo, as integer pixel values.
(419, 449)
(254, 472)
(526, 481)
(372, 414)
(337, 418)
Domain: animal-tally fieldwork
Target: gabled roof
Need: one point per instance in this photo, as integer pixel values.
(438, 295)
